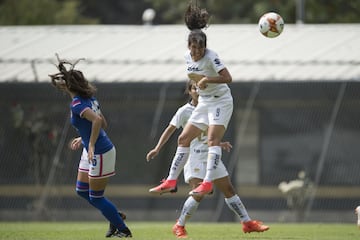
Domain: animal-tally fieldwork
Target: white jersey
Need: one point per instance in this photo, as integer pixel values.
(195, 166)
(198, 145)
(210, 65)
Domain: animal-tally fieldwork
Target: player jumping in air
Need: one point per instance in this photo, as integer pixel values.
(212, 114)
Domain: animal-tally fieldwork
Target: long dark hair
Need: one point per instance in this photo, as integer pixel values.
(189, 85)
(72, 79)
(195, 20)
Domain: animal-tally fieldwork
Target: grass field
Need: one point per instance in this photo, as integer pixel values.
(162, 231)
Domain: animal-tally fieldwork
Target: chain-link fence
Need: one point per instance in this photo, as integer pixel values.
(277, 129)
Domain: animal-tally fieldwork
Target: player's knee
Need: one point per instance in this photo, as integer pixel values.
(82, 189)
(184, 140)
(83, 194)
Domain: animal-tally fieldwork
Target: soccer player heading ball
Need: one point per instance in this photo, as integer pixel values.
(211, 115)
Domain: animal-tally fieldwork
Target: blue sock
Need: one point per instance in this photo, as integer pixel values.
(82, 189)
(107, 208)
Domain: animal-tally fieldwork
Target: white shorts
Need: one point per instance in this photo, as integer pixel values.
(104, 165)
(195, 167)
(212, 111)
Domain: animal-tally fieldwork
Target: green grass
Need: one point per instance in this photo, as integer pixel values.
(162, 231)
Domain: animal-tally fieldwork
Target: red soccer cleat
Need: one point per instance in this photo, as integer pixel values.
(203, 189)
(179, 231)
(254, 226)
(166, 186)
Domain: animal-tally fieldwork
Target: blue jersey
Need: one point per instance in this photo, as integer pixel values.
(83, 126)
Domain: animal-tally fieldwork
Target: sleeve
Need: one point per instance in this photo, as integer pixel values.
(216, 62)
(178, 119)
(78, 106)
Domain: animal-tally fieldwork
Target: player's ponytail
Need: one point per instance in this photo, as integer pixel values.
(196, 19)
(71, 79)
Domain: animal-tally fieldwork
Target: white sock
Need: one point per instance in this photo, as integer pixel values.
(235, 204)
(214, 157)
(188, 209)
(178, 162)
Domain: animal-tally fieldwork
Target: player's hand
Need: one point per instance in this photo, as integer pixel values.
(75, 143)
(91, 154)
(202, 84)
(153, 153)
(226, 146)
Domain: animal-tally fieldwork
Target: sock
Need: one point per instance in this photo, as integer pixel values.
(82, 189)
(178, 162)
(188, 209)
(214, 157)
(235, 204)
(107, 209)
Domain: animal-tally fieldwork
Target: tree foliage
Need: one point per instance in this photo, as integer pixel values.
(114, 11)
(35, 12)
(41, 12)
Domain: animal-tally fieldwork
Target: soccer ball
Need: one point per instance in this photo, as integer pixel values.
(271, 24)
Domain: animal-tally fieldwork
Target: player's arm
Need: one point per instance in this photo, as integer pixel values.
(97, 122)
(223, 77)
(104, 122)
(168, 132)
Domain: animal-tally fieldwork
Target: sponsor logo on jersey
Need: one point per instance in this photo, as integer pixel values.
(217, 61)
(193, 69)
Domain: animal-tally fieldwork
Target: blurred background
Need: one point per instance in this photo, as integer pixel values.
(295, 127)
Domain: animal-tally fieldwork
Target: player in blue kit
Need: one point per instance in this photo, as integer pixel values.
(97, 162)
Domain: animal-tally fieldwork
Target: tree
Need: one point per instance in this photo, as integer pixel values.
(114, 11)
(41, 12)
(36, 12)
(335, 11)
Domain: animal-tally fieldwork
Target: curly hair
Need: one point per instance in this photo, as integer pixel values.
(195, 20)
(195, 17)
(73, 80)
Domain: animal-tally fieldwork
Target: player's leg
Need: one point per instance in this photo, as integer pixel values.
(101, 169)
(235, 204)
(215, 134)
(82, 182)
(231, 198)
(190, 206)
(112, 228)
(181, 155)
(187, 135)
(218, 114)
(106, 207)
(194, 173)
